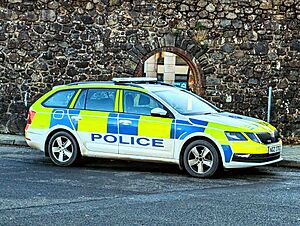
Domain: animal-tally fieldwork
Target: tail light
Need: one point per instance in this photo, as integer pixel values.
(30, 117)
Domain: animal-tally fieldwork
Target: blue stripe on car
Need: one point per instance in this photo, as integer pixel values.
(185, 128)
(198, 122)
(131, 129)
(112, 123)
(172, 132)
(227, 152)
(64, 117)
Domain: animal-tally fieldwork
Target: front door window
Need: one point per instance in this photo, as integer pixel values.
(139, 103)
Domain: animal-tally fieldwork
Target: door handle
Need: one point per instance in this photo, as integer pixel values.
(125, 122)
(76, 118)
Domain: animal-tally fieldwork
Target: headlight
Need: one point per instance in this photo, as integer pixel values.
(235, 136)
(253, 137)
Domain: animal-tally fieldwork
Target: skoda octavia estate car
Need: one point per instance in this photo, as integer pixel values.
(141, 119)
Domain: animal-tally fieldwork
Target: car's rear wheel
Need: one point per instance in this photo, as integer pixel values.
(63, 149)
(201, 159)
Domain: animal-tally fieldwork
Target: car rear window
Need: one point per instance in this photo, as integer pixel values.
(60, 99)
(100, 99)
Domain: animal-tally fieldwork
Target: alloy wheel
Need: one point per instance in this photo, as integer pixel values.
(62, 149)
(200, 159)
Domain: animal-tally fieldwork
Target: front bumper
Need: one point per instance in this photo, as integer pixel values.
(250, 154)
(256, 158)
(233, 164)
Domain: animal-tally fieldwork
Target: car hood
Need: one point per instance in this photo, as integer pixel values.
(232, 122)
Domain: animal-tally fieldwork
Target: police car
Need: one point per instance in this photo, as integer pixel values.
(142, 119)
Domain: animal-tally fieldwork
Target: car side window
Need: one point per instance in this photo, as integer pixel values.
(80, 102)
(135, 102)
(60, 99)
(100, 99)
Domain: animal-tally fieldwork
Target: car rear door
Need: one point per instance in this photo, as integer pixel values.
(141, 134)
(96, 123)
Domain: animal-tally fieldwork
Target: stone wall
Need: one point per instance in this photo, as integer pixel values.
(238, 47)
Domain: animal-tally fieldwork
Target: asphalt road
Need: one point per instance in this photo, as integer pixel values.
(102, 192)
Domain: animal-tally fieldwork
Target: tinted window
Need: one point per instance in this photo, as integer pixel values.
(81, 100)
(139, 103)
(60, 99)
(101, 99)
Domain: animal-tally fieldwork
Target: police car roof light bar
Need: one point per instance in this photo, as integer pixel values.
(135, 80)
(89, 82)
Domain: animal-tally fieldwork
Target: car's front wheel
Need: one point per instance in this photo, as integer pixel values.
(63, 149)
(201, 159)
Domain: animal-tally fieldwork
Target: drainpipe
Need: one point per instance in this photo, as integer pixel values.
(269, 103)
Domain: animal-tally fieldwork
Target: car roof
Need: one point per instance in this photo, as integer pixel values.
(152, 87)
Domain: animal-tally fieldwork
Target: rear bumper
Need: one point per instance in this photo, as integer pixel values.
(35, 140)
(35, 145)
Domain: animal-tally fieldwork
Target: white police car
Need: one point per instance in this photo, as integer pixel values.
(140, 119)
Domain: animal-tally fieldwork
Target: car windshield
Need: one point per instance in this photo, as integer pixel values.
(186, 103)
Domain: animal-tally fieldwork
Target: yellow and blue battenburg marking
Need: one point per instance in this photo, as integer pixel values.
(116, 135)
(63, 117)
(185, 128)
(131, 129)
(174, 129)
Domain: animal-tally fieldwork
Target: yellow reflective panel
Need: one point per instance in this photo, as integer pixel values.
(42, 118)
(74, 99)
(217, 134)
(219, 126)
(241, 128)
(93, 121)
(116, 106)
(150, 126)
(121, 109)
(248, 147)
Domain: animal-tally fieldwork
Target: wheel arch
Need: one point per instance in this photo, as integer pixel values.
(194, 138)
(54, 131)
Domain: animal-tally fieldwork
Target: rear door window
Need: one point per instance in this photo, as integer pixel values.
(60, 99)
(80, 102)
(101, 99)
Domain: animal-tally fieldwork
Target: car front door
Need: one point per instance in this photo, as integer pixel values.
(96, 123)
(140, 133)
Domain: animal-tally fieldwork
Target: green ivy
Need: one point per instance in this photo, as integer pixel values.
(177, 32)
(199, 26)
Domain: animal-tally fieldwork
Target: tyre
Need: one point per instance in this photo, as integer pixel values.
(63, 149)
(201, 159)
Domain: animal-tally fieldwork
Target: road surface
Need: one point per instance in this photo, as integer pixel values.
(102, 192)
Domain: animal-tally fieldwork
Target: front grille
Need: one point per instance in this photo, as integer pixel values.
(267, 138)
(257, 158)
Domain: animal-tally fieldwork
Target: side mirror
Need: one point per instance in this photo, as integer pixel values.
(159, 112)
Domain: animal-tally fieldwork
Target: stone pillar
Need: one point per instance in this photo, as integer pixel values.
(169, 67)
(150, 67)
